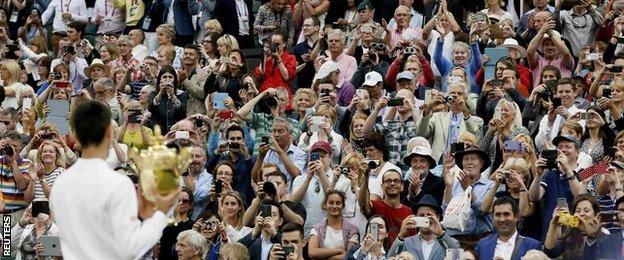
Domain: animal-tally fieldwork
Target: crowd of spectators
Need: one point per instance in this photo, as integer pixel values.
(327, 129)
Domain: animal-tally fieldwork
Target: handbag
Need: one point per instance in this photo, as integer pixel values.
(458, 211)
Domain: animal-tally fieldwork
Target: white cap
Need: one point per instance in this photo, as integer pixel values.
(372, 78)
(327, 68)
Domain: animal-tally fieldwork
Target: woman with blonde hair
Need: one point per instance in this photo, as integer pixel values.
(133, 131)
(213, 26)
(109, 52)
(515, 175)
(505, 125)
(232, 210)
(13, 89)
(324, 130)
(165, 55)
(356, 134)
(613, 104)
(164, 35)
(348, 179)
(304, 98)
(49, 164)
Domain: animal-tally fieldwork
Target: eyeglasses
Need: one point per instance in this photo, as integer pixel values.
(391, 181)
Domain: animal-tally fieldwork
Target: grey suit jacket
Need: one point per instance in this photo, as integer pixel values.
(412, 245)
(435, 127)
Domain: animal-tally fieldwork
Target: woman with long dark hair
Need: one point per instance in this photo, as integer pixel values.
(169, 105)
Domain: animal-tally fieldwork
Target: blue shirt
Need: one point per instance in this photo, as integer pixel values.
(296, 155)
(201, 196)
(555, 186)
(479, 222)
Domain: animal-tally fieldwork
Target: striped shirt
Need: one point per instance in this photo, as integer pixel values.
(12, 196)
(49, 179)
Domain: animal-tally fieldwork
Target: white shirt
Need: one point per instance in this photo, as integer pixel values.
(243, 17)
(415, 22)
(505, 249)
(77, 8)
(114, 18)
(96, 212)
(266, 248)
(547, 132)
(170, 13)
(427, 246)
(20, 89)
(76, 71)
(139, 52)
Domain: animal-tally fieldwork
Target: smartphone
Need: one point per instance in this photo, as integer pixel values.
(226, 114)
(395, 102)
(51, 245)
(453, 254)
(135, 117)
(265, 210)
(314, 156)
(26, 103)
(457, 147)
(606, 92)
(62, 84)
(40, 206)
(610, 151)
(513, 146)
(551, 158)
(366, 29)
(593, 56)
(288, 249)
(428, 96)
(182, 135)
(453, 79)
(497, 114)
(562, 203)
(556, 102)
(361, 93)
(609, 217)
(616, 69)
(235, 145)
(315, 123)
(219, 100)
(583, 116)
(324, 92)
(265, 139)
(497, 82)
(422, 222)
(374, 231)
(218, 187)
(621, 40)
(47, 136)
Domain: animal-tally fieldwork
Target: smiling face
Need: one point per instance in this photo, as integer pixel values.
(420, 164)
(569, 149)
(48, 154)
(549, 48)
(584, 209)
(392, 183)
(303, 102)
(567, 94)
(504, 219)
(224, 173)
(104, 54)
(358, 128)
(190, 56)
(460, 56)
(334, 205)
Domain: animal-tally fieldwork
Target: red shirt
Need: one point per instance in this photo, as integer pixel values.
(272, 77)
(393, 217)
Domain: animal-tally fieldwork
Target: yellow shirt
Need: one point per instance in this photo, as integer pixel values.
(135, 139)
(134, 10)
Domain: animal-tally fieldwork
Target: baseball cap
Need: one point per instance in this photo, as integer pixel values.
(372, 78)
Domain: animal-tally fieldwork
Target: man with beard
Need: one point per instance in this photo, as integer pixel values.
(421, 182)
(506, 243)
(198, 181)
(472, 163)
(193, 78)
(420, 244)
(389, 207)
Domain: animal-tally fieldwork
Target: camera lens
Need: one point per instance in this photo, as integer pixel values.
(449, 99)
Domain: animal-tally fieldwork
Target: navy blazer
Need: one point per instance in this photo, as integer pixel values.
(183, 11)
(486, 246)
(225, 13)
(606, 247)
(254, 244)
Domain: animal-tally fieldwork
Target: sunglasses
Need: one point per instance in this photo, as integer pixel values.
(378, 46)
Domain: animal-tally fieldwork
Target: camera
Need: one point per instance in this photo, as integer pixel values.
(449, 99)
(55, 76)
(372, 164)
(70, 49)
(395, 102)
(235, 145)
(410, 50)
(46, 136)
(344, 170)
(273, 47)
(7, 150)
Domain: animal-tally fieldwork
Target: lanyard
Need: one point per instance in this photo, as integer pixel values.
(106, 9)
(68, 4)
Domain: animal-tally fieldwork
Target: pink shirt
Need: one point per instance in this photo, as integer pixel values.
(543, 62)
(397, 35)
(346, 63)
